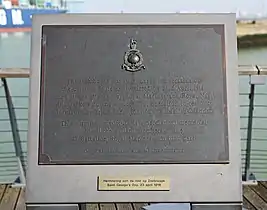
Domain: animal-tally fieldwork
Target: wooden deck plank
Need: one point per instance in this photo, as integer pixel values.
(138, 206)
(107, 206)
(247, 204)
(260, 190)
(2, 191)
(264, 184)
(21, 201)
(124, 206)
(254, 199)
(10, 198)
(92, 207)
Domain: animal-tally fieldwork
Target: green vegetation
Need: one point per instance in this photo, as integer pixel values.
(257, 40)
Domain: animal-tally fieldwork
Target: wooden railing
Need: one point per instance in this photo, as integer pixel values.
(25, 72)
(254, 148)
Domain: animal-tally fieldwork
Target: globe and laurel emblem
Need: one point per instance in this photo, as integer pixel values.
(133, 59)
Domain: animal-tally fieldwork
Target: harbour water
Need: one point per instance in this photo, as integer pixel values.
(15, 52)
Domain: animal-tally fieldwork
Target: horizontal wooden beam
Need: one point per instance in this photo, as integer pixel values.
(25, 72)
(14, 72)
(251, 70)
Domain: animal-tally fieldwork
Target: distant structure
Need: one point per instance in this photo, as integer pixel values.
(240, 15)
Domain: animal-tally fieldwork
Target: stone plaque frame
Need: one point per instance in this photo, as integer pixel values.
(188, 182)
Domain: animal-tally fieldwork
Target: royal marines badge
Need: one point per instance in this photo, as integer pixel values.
(133, 59)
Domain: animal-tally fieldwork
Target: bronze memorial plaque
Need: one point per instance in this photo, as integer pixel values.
(133, 95)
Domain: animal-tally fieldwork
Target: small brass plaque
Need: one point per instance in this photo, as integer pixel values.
(150, 183)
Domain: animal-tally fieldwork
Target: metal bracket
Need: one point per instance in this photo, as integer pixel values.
(258, 79)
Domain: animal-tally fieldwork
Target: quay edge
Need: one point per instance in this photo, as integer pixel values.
(252, 34)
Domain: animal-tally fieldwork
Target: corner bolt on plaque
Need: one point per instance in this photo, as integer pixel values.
(133, 59)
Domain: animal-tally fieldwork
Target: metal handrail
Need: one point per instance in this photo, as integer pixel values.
(251, 70)
(25, 72)
(243, 70)
(15, 131)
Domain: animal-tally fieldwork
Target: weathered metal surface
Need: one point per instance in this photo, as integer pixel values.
(172, 111)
